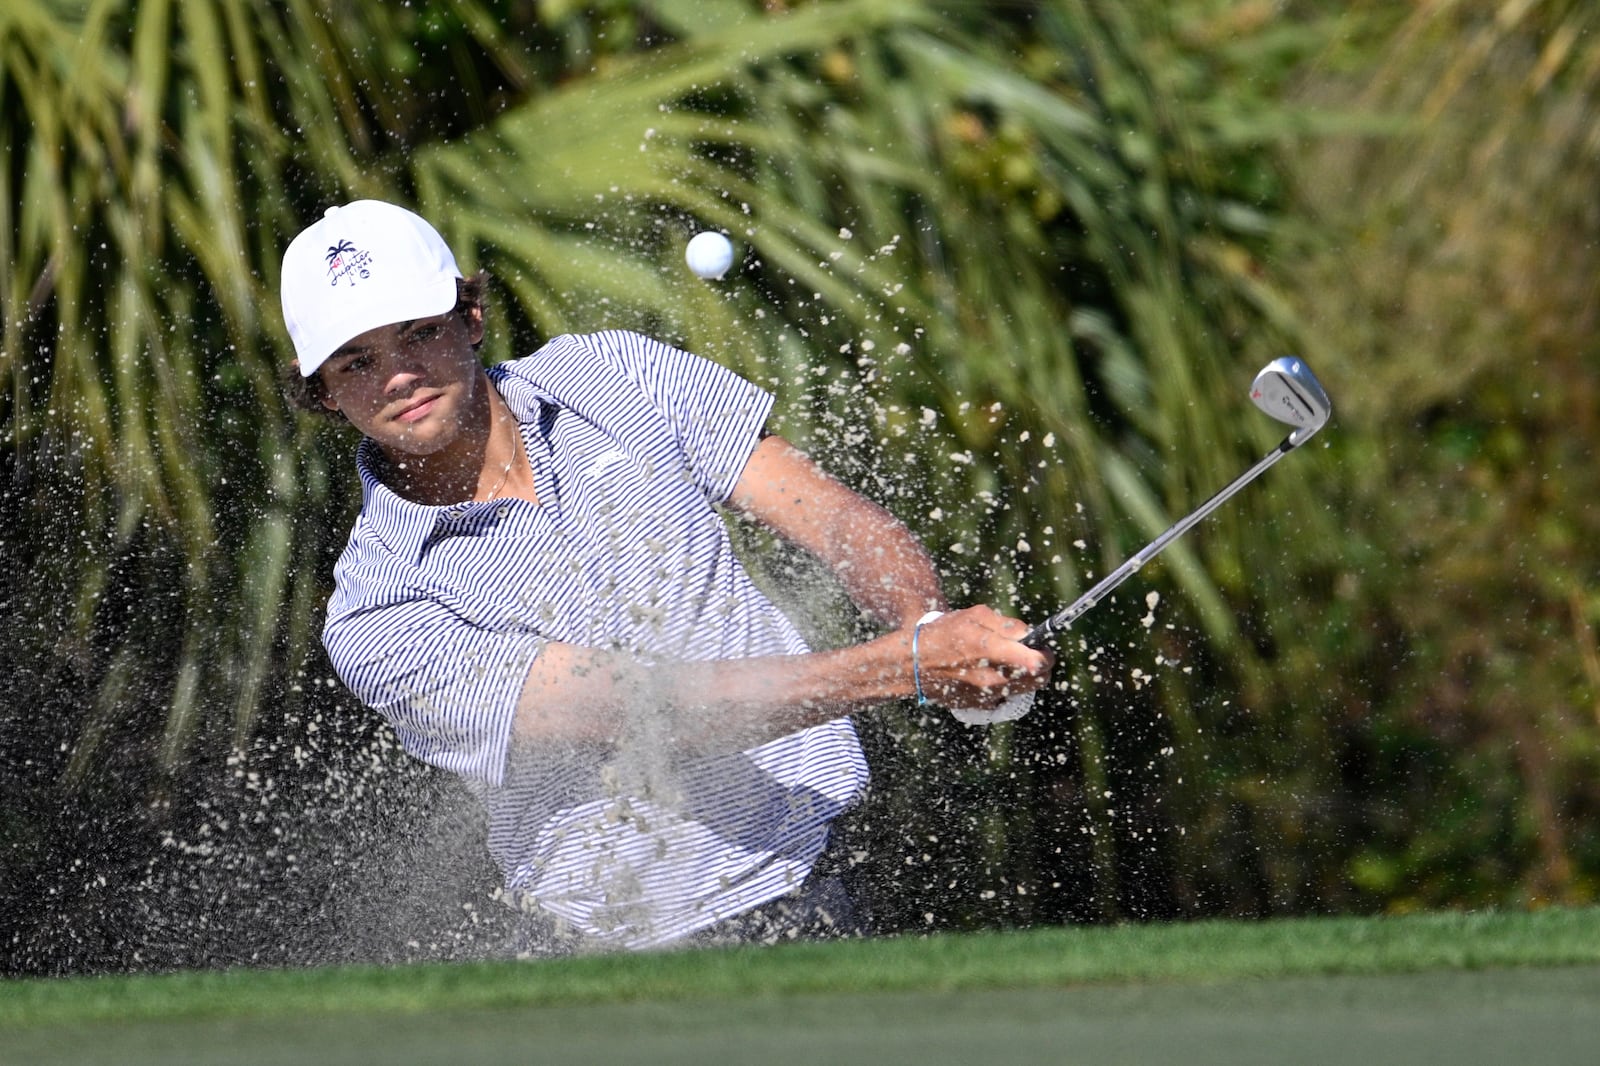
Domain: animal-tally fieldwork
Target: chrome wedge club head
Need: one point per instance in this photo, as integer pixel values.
(1287, 390)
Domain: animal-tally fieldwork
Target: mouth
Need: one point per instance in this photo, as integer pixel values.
(417, 409)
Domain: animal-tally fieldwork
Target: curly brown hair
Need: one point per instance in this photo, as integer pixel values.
(308, 394)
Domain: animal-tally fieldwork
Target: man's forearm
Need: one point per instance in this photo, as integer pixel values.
(578, 693)
(885, 570)
(747, 701)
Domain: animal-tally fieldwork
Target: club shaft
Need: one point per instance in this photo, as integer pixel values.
(1064, 618)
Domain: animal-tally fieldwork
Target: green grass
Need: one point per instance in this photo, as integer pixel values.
(1050, 958)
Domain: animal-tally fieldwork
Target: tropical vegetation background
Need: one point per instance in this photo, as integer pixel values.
(1009, 268)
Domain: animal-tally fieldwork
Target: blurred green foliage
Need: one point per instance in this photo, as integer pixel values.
(1008, 268)
(1459, 272)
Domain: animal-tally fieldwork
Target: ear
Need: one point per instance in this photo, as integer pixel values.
(472, 315)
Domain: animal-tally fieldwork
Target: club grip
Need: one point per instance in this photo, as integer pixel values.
(1038, 637)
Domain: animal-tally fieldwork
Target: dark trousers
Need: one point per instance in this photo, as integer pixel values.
(823, 907)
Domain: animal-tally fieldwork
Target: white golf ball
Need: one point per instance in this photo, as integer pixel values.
(709, 255)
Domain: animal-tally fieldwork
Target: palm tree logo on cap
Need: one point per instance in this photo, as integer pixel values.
(335, 253)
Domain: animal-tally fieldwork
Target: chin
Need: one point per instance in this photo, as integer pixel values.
(425, 443)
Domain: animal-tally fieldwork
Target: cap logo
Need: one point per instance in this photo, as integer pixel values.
(346, 261)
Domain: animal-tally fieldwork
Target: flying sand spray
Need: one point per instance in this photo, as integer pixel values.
(1285, 388)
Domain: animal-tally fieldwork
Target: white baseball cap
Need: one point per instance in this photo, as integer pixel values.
(364, 265)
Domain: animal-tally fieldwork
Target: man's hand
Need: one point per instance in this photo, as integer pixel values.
(972, 659)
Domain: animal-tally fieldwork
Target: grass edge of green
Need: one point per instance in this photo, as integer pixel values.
(1059, 956)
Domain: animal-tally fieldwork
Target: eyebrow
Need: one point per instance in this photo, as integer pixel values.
(357, 349)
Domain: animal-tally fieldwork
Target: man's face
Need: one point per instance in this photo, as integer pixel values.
(408, 386)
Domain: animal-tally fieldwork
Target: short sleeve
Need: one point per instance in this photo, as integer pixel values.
(715, 414)
(448, 687)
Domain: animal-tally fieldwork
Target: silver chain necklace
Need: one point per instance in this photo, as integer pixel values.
(498, 485)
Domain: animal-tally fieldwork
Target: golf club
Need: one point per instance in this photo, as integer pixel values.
(1287, 390)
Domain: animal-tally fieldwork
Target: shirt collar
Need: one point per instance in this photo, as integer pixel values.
(523, 397)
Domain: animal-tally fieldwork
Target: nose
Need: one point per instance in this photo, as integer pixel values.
(400, 375)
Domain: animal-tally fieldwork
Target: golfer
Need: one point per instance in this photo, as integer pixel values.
(540, 595)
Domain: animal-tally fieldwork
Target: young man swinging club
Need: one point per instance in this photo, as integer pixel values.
(540, 595)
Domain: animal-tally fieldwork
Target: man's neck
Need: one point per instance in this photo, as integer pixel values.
(476, 465)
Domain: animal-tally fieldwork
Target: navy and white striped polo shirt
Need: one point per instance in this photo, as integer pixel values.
(439, 612)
